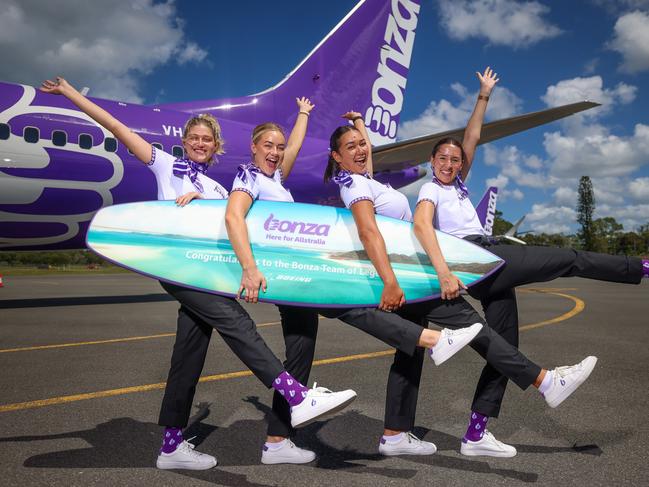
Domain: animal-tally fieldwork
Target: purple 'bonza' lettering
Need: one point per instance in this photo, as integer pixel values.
(304, 228)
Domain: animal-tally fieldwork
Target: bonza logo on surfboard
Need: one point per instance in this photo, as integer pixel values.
(382, 116)
(273, 224)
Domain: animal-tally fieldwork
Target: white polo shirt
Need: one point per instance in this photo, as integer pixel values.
(259, 186)
(387, 201)
(453, 214)
(171, 187)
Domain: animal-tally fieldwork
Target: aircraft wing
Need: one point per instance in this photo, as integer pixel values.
(407, 153)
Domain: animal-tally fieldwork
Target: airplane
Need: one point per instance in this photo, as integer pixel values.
(58, 167)
(486, 211)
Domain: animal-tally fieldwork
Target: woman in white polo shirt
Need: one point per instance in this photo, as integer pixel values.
(263, 179)
(444, 204)
(183, 180)
(350, 166)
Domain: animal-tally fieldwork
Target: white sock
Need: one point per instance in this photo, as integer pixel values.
(393, 438)
(547, 382)
(275, 446)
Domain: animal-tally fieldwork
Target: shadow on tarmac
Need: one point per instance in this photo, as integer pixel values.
(127, 443)
(84, 300)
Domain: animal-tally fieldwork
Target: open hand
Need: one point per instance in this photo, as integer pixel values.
(488, 80)
(56, 87)
(304, 104)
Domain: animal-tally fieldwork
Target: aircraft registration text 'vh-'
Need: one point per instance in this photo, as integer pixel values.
(58, 167)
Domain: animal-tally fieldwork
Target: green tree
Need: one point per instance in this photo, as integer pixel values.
(606, 232)
(500, 224)
(585, 209)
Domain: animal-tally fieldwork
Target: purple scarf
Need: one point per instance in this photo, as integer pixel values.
(244, 169)
(184, 167)
(462, 190)
(344, 178)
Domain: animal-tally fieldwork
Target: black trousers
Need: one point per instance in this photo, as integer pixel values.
(526, 265)
(199, 313)
(300, 329)
(405, 372)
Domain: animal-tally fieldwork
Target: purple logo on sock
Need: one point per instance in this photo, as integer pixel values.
(450, 341)
(563, 382)
(303, 394)
(313, 402)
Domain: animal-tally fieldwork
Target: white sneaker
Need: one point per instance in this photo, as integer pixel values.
(566, 380)
(487, 446)
(409, 445)
(185, 457)
(452, 341)
(288, 453)
(319, 402)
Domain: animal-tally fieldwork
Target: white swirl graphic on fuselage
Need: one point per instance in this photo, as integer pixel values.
(16, 153)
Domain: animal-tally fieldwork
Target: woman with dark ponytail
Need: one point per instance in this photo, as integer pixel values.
(350, 166)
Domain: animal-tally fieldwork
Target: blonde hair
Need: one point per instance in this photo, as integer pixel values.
(261, 129)
(210, 122)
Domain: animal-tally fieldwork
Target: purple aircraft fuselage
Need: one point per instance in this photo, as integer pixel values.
(58, 167)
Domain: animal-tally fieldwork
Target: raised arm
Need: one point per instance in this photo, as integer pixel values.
(235, 222)
(488, 80)
(449, 283)
(357, 119)
(294, 143)
(369, 233)
(136, 144)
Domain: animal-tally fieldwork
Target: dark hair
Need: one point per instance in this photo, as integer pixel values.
(449, 141)
(334, 145)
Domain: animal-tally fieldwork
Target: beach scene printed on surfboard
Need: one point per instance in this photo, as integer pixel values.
(309, 254)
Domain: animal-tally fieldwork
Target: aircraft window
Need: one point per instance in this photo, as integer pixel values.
(31, 135)
(4, 131)
(85, 141)
(59, 138)
(110, 144)
(177, 151)
(157, 145)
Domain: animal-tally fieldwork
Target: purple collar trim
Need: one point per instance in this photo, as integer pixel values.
(461, 188)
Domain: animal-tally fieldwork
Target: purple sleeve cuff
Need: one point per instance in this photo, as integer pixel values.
(247, 191)
(150, 163)
(360, 198)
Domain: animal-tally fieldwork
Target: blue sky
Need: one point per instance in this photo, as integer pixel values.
(546, 53)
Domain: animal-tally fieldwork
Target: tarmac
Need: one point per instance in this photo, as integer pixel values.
(84, 359)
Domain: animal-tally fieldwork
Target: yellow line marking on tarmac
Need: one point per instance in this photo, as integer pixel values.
(101, 342)
(578, 308)
(19, 406)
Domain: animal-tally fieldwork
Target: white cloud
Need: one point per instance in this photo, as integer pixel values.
(592, 89)
(444, 115)
(500, 22)
(631, 39)
(108, 46)
(551, 219)
(598, 155)
(639, 189)
(566, 196)
(499, 181)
